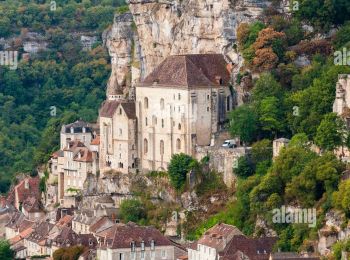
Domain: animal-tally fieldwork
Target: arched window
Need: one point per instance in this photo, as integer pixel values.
(178, 144)
(146, 102)
(145, 146)
(162, 103)
(161, 147)
(179, 126)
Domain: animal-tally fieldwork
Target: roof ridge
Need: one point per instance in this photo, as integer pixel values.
(187, 57)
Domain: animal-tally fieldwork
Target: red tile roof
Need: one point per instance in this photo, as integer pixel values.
(83, 155)
(28, 187)
(255, 249)
(125, 234)
(96, 140)
(101, 222)
(32, 204)
(193, 70)
(65, 221)
(109, 107)
(24, 234)
(217, 236)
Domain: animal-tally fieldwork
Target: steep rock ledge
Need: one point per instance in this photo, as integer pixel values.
(163, 28)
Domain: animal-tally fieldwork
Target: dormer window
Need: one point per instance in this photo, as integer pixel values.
(132, 246)
(84, 130)
(143, 246)
(72, 130)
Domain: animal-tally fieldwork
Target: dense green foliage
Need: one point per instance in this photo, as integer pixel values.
(70, 15)
(178, 168)
(292, 101)
(6, 253)
(244, 167)
(54, 87)
(132, 210)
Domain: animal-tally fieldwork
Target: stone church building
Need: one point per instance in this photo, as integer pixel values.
(182, 104)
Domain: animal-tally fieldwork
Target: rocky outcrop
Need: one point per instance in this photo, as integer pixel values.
(163, 28)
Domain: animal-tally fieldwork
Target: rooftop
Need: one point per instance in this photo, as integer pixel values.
(192, 70)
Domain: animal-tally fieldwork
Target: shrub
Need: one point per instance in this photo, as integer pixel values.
(132, 210)
(178, 168)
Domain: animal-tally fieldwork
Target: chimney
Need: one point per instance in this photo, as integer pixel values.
(26, 183)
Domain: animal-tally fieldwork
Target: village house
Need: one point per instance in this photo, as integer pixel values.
(130, 241)
(117, 132)
(77, 131)
(27, 187)
(17, 224)
(79, 162)
(227, 242)
(33, 209)
(36, 243)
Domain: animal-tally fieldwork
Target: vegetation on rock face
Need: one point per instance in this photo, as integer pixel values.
(132, 210)
(292, 97)
(178, 168)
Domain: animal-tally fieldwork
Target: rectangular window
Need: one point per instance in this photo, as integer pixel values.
(163, 254)
(121, 256)
(142, 255)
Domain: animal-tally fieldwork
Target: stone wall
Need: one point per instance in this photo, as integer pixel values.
(223, 160)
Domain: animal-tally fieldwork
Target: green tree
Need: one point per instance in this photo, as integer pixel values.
(262, 151)
(178, 168)
(132, 210)
(331, 132)
(244, 167)
(270, 115)
(341, 198)
(6, 253)
(244, 123)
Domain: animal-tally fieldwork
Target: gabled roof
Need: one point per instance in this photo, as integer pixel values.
(255, 249)
(125, 234)
(41, 232)
(193, 70)
(109, 107)
(32, 204)
(28, 187)
(101, 224)
(78, 127)
(217, 236)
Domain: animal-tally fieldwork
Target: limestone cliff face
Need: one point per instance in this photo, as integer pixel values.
(162, 28)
